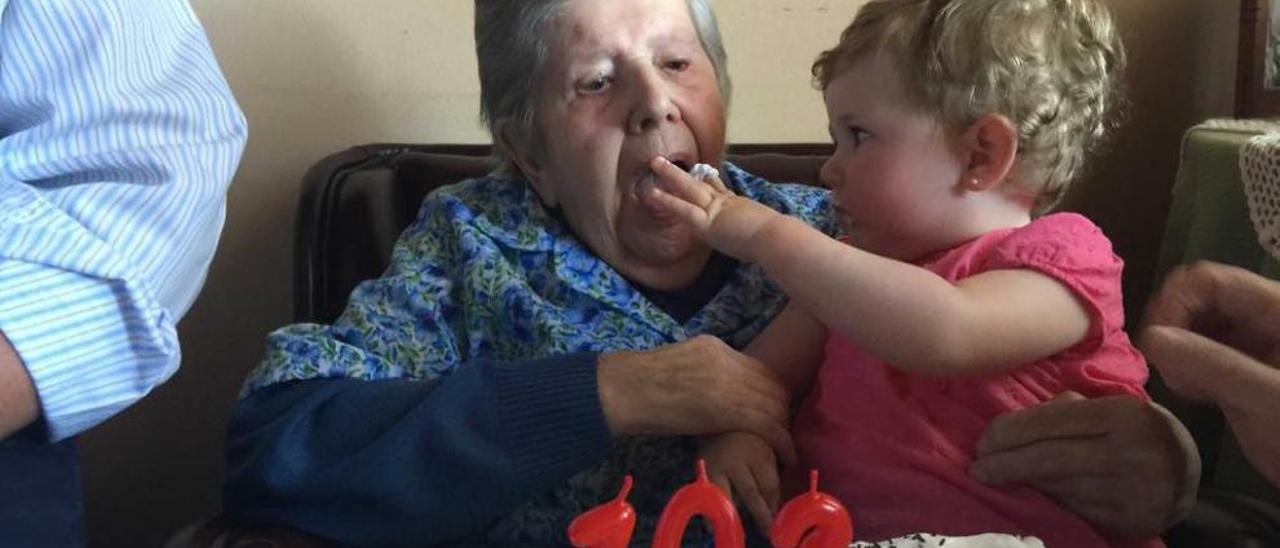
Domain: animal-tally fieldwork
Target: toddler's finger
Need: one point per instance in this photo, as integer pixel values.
(722, 481)
(657, 199)
(766, 475)
(674, 180)
(718, 185)
(709, 175)
(779, 439)
(703, 172)
(756, 505)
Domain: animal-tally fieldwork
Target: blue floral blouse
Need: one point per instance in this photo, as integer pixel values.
(485, 272)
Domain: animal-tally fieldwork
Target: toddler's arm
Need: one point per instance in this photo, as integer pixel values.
(791, 347)
(742, 463)
(904, 314)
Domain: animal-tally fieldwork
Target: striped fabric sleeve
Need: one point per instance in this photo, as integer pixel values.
(118, 139)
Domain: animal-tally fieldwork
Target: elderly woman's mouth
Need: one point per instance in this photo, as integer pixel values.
(644, 175)
(644, 180)
(642, 193)
(682, 160)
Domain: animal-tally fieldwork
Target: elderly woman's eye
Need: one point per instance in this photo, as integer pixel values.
(677, 65)
(594, 84)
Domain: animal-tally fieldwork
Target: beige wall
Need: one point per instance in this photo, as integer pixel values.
(315, 76)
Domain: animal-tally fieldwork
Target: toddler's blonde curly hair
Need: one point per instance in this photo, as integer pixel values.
(1050, 66)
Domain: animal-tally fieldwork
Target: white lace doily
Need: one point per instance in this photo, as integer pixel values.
(1260, 169)
(1244, 125)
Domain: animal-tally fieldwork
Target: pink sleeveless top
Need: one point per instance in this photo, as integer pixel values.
(895, 447)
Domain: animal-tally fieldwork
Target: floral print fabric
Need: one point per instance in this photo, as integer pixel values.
(485, 272)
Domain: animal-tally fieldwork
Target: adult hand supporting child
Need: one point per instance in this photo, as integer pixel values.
(665, 391)
(1122, 463)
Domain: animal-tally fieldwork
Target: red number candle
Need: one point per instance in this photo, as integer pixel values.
(700, 498)
(812, 520)
(608, 525)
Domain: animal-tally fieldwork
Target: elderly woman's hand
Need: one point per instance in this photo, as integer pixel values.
(1213, 332)
(694, 387)
(730, 223)
(1125, 465)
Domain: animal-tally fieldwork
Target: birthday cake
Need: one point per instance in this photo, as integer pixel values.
(923, 540)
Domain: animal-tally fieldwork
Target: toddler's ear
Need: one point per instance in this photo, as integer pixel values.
(521, 151)
(991, 144)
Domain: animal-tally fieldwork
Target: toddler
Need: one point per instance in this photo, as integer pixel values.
(951, 298)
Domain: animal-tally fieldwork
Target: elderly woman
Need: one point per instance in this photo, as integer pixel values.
(540, 332)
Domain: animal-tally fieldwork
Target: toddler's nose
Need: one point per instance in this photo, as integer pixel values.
(828, 174)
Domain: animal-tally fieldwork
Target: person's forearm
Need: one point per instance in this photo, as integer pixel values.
(403, 462)
(791, 346)
(91, 336)
(1250, 389)
(18, 404)
(112, 195)
(1250, 403)
(916, 317)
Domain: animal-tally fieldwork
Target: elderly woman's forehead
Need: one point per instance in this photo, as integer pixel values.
(597, 23)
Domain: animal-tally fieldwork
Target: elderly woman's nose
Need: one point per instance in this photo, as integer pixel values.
(653, 104)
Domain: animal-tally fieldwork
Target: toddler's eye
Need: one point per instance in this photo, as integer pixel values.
(858, 135)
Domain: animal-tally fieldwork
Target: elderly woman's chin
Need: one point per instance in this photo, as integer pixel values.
(663, 255)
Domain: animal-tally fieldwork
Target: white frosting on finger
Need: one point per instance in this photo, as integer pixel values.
(703, 172)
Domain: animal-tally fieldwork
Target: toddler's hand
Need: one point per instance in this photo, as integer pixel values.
(744, 464)
(723, 219)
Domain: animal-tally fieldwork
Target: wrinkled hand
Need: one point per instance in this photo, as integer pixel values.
(695, 387)
(1213, 332)
(743, 465)
(1213, 311)
(1123, 464)
(726, 221)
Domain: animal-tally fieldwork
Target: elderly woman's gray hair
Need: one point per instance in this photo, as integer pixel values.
(511, 51)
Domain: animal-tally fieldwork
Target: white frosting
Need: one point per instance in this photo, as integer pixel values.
(703, 171)
(925, 540)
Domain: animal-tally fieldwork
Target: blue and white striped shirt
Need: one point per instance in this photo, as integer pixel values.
(118, 139)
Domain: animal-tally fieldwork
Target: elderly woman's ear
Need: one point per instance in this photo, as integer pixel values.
(520, 149)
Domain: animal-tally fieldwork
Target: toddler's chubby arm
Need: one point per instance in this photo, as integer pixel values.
(908, 316)
(742, 463)
(791, 347)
